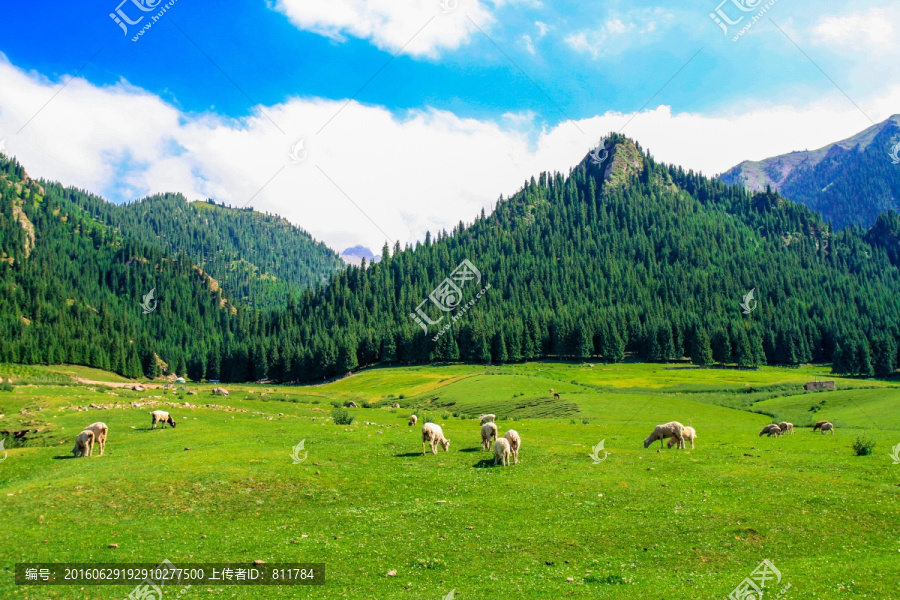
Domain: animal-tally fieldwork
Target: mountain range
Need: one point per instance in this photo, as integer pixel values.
(849, 182)
(621, 256)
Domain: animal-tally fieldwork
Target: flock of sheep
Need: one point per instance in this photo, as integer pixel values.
(95, 433)
(504, 448)
(779, 429)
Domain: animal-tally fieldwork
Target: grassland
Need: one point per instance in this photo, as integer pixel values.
(641, 524)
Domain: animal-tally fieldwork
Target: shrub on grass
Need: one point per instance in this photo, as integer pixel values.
(342, 416)
(402, 396)
(445, 416)
(585, 421)
(336, 403)
(365, 404)
(573, 422)
(863, 446)
(316, 401)
(6, 387)
(427, 419)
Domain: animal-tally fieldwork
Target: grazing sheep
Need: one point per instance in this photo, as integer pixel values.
(413, 419)
(827, 427)
(434, 435)
(352, 405)
(673, 429)
(770, 430)
(819, 424)
(501, 452)
(488, 418)
(515, 442)
(395, 405)
(220, 391)
(786, 427)
(689, 434)
(488, 431)
(161, 416)
(100, 430)
(556, 396)
(84, 444)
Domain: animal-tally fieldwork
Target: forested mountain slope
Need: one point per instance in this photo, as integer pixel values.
(848, 182)
(623, 256)
(260, 259)
(629, 255)
(71, 289)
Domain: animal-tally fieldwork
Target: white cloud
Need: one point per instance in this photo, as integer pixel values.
(392, 25)
(529, 44)
(873, 29)
(542, 27)
(617, 34)
(425, 170)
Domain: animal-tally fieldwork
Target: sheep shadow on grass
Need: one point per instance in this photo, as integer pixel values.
(408, 454)
(475, 449)
(486, 463)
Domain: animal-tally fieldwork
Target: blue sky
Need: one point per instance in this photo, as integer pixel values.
(190, 106)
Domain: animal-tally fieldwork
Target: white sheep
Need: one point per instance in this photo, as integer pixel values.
(488, 418)
(770, 430)
(515, 442)
(413, 419)
(501, 452)
(395, 405)
(220, 391)
(161, 416)
(689, 433)
(100, 430)
(828, 427)
(786, 427)
(434, 435)
(672, 429)
(84, 444)
(488, 431)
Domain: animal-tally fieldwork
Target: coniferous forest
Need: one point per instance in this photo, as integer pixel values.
(628, 257)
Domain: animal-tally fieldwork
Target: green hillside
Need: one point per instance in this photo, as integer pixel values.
(71, 289)
(260, 259)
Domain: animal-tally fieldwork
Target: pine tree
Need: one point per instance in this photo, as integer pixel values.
(701, 351)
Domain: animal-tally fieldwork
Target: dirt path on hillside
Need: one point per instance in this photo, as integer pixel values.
(117, 384)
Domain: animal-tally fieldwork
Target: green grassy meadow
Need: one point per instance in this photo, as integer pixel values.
(643, 523)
